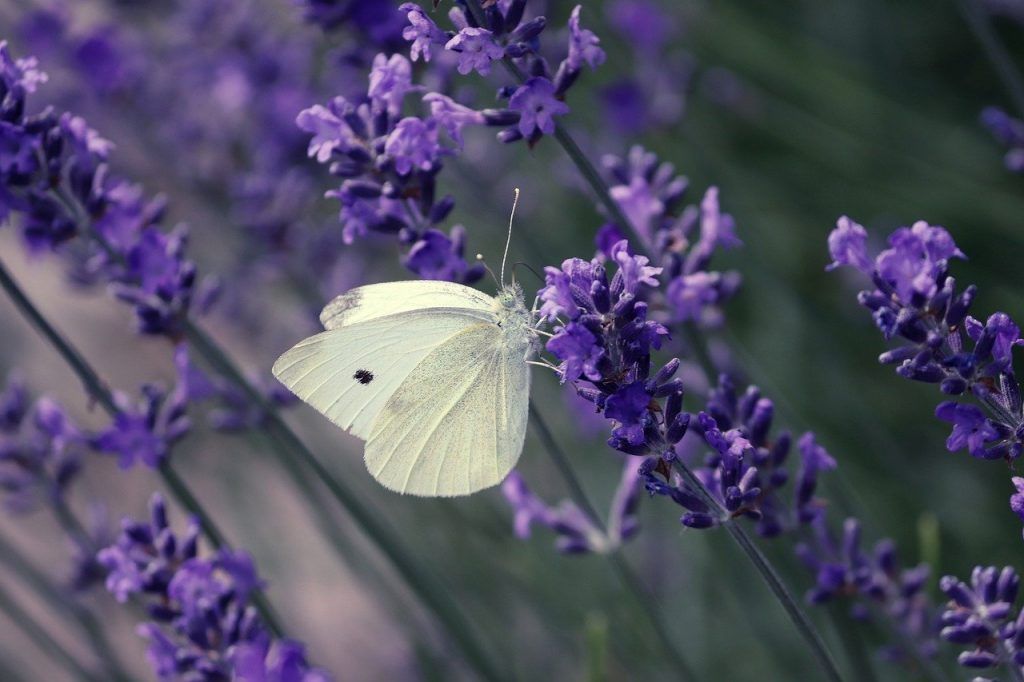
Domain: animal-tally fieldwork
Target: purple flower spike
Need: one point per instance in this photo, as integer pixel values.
(535, 101)
(476, 48)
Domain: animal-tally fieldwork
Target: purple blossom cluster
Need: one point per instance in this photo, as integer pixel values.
(483, 35)
(916, 301)
(745, 468)
(203, 626)
(389, 162)
(874, 582)
(604, 337)
(389, 165)
(684, 237)
(54, 172)
(981, 615)
(575, 532)
(40, 449)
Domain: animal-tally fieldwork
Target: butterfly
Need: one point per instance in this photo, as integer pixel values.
(433, 375)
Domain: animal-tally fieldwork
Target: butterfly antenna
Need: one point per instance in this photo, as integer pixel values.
(515, 202)
(480, 259)
(529, 267)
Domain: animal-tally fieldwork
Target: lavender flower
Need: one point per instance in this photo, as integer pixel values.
(583, 44)
(40, 449)
(58, 163)
(745, 470)
(915, 299)
(684, 238)
(872, 581)
(422, 32)
(982, 615)
(537, 107)
(476, 48)
(145, 432)
(389, 167)
(203, 625)
(575, 532)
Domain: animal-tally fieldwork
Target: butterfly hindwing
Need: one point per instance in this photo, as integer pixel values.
(457, 423)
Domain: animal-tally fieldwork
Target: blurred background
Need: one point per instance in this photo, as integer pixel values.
(798, 111)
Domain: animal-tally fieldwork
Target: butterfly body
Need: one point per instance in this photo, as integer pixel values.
(433, 375)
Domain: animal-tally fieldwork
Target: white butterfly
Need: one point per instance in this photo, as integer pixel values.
(432, 375)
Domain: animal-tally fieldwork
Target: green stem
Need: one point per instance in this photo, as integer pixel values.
(593, 178)
(64, 603)
(99, 392)
(43, 639)
(429, 590)
(621, 566)
(803, 624)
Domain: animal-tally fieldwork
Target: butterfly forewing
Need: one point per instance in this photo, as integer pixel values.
(457, 423)
(392, 298)
(348, 373)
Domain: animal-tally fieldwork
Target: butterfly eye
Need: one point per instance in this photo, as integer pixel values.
(363, 376)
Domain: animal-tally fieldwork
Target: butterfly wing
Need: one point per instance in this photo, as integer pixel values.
(393, 298)
(349, 372)
(457, 423)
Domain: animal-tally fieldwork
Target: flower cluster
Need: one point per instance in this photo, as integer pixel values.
(914, 299)
(40, 449)
(1009, 132)
(873, 581)
(484, 35)
(144, 432)
(389, 166)
(745, 468)
(603, 337)
(981, 615)
(575, 532)
(203, 625)
(54, 173)
(683, 237)
(389, 162)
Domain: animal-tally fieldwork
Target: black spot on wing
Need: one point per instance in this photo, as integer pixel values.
(363, 376)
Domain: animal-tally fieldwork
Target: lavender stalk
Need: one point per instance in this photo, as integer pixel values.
(619, 563)
(65, 604)
(44, 640)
